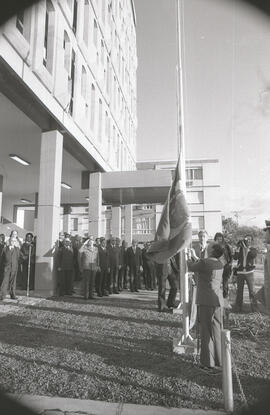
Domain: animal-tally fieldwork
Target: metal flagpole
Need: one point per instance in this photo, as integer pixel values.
(28, 271)
(180, 346)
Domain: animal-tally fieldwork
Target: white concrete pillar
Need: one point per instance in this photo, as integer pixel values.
(116, 222)
(95, 205)
(1, 196)
(48, 220)
(67, 219)
(128, 223)
(36, 213)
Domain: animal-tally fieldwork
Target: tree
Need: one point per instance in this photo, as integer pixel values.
(233, 233)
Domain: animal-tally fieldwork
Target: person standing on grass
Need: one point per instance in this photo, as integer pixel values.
(210, 302)
(2, 246)
(24, 258)
(227, 260)
(65, 267)
(245, 255)
(134, 262)
(89, 265)
(11, 255)
(114, 260)
(102, 283)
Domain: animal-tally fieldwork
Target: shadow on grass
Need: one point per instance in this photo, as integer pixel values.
(71, 312)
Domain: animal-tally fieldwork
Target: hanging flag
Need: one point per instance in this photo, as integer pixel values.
(174, 231)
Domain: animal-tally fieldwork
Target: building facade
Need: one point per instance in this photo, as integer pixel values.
(68, 109)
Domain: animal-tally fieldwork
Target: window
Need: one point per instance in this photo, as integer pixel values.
(72, 82)
(195, 197)
(67, 52)
(48, 37)
(95, 30)
(75, 13)
(75, 224)
(20, 21)
(86, 22)
(83, 82)
(197, 223)
(100, 120)
(195, 173)
(93, 103)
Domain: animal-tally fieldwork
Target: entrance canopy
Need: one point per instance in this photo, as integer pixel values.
(135, 187)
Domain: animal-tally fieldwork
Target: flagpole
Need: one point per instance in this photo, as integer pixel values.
(184, 303)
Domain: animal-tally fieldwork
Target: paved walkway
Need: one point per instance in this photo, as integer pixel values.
(44, 405)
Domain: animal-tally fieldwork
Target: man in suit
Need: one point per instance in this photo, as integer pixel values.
(148, 269)
(114, 260)
(102, 282)
(210, 303)
(200, 247)
(122, 280)
(11, 256)
(134, 262)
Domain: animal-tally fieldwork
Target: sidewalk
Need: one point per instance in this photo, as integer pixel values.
(44, 405)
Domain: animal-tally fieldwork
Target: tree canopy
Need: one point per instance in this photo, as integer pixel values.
(234, 232)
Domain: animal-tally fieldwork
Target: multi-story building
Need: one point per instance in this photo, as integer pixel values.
(203, 197)
(68, 107)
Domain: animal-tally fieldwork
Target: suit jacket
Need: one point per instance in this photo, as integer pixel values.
(252, 253)
(113, 255)
(209, 289)
(199, 251)
(134, 259)
(11, 258)
(103, 258)
(123, 256)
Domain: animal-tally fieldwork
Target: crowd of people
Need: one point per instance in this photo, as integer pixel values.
(106, 267)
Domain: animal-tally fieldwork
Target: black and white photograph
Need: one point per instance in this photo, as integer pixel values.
(134, 207)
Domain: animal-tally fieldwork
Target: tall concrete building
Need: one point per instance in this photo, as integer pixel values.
(67, 109)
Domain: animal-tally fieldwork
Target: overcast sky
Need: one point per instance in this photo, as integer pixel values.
(227, 94)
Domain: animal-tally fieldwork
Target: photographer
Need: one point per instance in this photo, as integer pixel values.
(245, 255)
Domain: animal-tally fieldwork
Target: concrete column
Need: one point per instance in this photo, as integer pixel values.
(48, 210)
(128, 223)
(1, 196)
(116, 222)
(66, 219)
(36, 213)
(95, 205)
(159, 209)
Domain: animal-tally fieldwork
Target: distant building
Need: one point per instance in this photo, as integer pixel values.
(203, 197)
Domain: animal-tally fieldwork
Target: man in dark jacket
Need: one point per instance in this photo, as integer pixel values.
(114, 259)
(134, 262)
(122, 280)
(11, 256)
(28, 257)
(148, 269)
(210, 303)
(245, 255)
(65, 267)
(102, 282)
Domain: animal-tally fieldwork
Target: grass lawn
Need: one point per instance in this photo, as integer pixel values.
(120, 349)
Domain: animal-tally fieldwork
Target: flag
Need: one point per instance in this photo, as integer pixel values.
(174, 231)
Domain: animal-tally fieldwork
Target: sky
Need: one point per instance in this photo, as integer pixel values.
(226, 61)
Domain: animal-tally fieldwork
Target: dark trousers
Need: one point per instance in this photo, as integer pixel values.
(134, 282)
(150, 276)
(122, 277)
(89, 277)
(65, 281)
(8, 283)
(249, 278)
(101, 281)
(113, 278)
(162, 290)
(227, 270)
(210, 319)
(25, 276)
